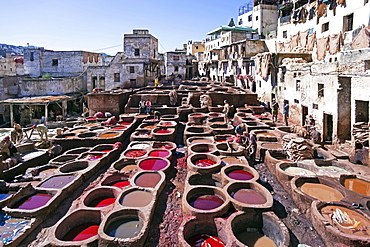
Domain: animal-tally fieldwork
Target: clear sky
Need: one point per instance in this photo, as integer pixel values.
(92, 25)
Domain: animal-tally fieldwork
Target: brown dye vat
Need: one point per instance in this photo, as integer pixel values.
(136, 198)
(149, 127)
(271, 146)
(255, 239)
(231, 160)
(357, 185)
(148, 180)
(68, 136)
(91, 125)
(108, 135)
(248, 196)
(200, 140)
(78, 130)
(321, 192)
(357, 224)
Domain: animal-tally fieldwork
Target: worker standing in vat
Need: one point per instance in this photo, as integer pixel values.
(286, 112)
(226, 110)
(250, 143)
(55, 149)
(156, 82)
(315, 136)
(157, 115)
(275, 110)
(141, 106)
(148, 105)
(17, 133)
(240, 128)
(5, 146)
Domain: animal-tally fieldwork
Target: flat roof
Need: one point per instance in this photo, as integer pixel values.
(37, 100)
(227, 28)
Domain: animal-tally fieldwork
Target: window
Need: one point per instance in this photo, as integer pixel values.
(367, 64)
(55, 62)
(315, 106)
(298, 85)
(4, 66)
(348, 23)
(132, 69)
(257, 18)
(137, 52)
(117, 77)
(320, 90)
(176, 58)
(176, 68)
(241, 22)
(32, 58)
(196, 47)
(132, 82)
(285, 34)
(296, 101)
(250, 17)
(325, 27)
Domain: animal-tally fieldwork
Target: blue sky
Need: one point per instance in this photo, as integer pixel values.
(91, 25)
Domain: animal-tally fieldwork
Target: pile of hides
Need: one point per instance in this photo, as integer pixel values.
(360, 133)
(297, 148)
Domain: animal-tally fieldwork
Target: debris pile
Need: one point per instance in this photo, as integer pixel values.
(297, 148)
(360, 133)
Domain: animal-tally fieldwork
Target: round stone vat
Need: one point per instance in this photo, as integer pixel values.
(137, 198)
(78, 130)
(74, 166)
(43, 171)
(160, 153)
(91, 156)
(64, 158)
(230, 149)
(205, 200)
(359, 185)
(87, 135)
(202, 232)
(78, 150)
(97, 129)
(215, 108)
(105, 148)
(264, 146)
(117, 180)
(147, 126)
(273, 157)
(58, 181)
(170, 146)
(339, 224)
(170, 118)
(139, 145)
(66, 136)
(259, 230)
(154, 164)
(167, 124)
(164, 134)
(222, 129)
(207, 148)
(204, 163)
(101, 197)
(199, 109)
(109, 135)
(197, 118)
(148, 179)
(305, 190)
(197, 140)
(205, 179)
(332, 168)
(142, 135)
(265, 135)
(90, 125)
(221, 138)
(247, 195)
(232, 160)
(124, 118)
(125, 227)
(283, 130)
(132, 153)
(285, 171)
(237, 173)
(215, 115)
(150, 119)
(118, 127)
(32, 203)
(124, 166)
(77, 228)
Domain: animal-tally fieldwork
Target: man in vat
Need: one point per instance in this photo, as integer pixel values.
(148, 105)
(275, 110)
(55, 149)
(226, 110)
(17, 133)
(240, 128)
(315, 136)
(5, 145)
(286, 112)
(249, 140)
(157, 115)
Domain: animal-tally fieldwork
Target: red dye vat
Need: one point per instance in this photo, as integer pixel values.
(197, 115)
(91, 118)
(119, 128)
(204, 162)
(121, 184)
(240, 175)
(159, 153)
(93, 157)
(206, 202)
(205, 240)
(125, 123)
(106, 151)
(221, 141)
(135, 153)
(153, 164)
(167, 124)
(163, 146)
(81, 232)
(32, 202)
(102, 202)
(163, 131)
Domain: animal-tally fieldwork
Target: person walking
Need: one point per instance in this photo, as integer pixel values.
(226, 110)
(249, 140)
(275, 110)
(148, 105)
(286, 112)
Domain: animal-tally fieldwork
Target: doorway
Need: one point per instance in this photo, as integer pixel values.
(304, 114)
(328, 128)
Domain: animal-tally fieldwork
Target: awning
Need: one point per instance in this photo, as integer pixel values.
(227, 28)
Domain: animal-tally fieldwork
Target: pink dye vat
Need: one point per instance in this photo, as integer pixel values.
(206, 202)
(105, 151)
(159, 153)
(204, 162)
(240, 175)
(32, 202)
(248, 196)
(82, 232)
(153, 164)
(135, 153)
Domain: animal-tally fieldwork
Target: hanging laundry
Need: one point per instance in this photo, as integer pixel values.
(280, 47)
(341, 2)
(294, 41)
(311, 41)
(321, 10)
(335, 43)
(287, 47)
(322, 47)
(302, 15)
(332, 4)
(303, 38)
(362, 39)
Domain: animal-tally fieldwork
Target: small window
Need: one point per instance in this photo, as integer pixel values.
(315, 106)
(176, 68)
(348, 23)
(285, 34)
(296, 101)
(196, 47)
(132, 82)
(137, 52)
(298, 85)
(367, 64)
(55, 62)
(132, 69)
(176, 58)
(325, 27)
(250, 17)
(257, 18)
(294, 75)
(11, 69)
(32, 56)
(320, 90)
(117, 77)
(4, 66)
